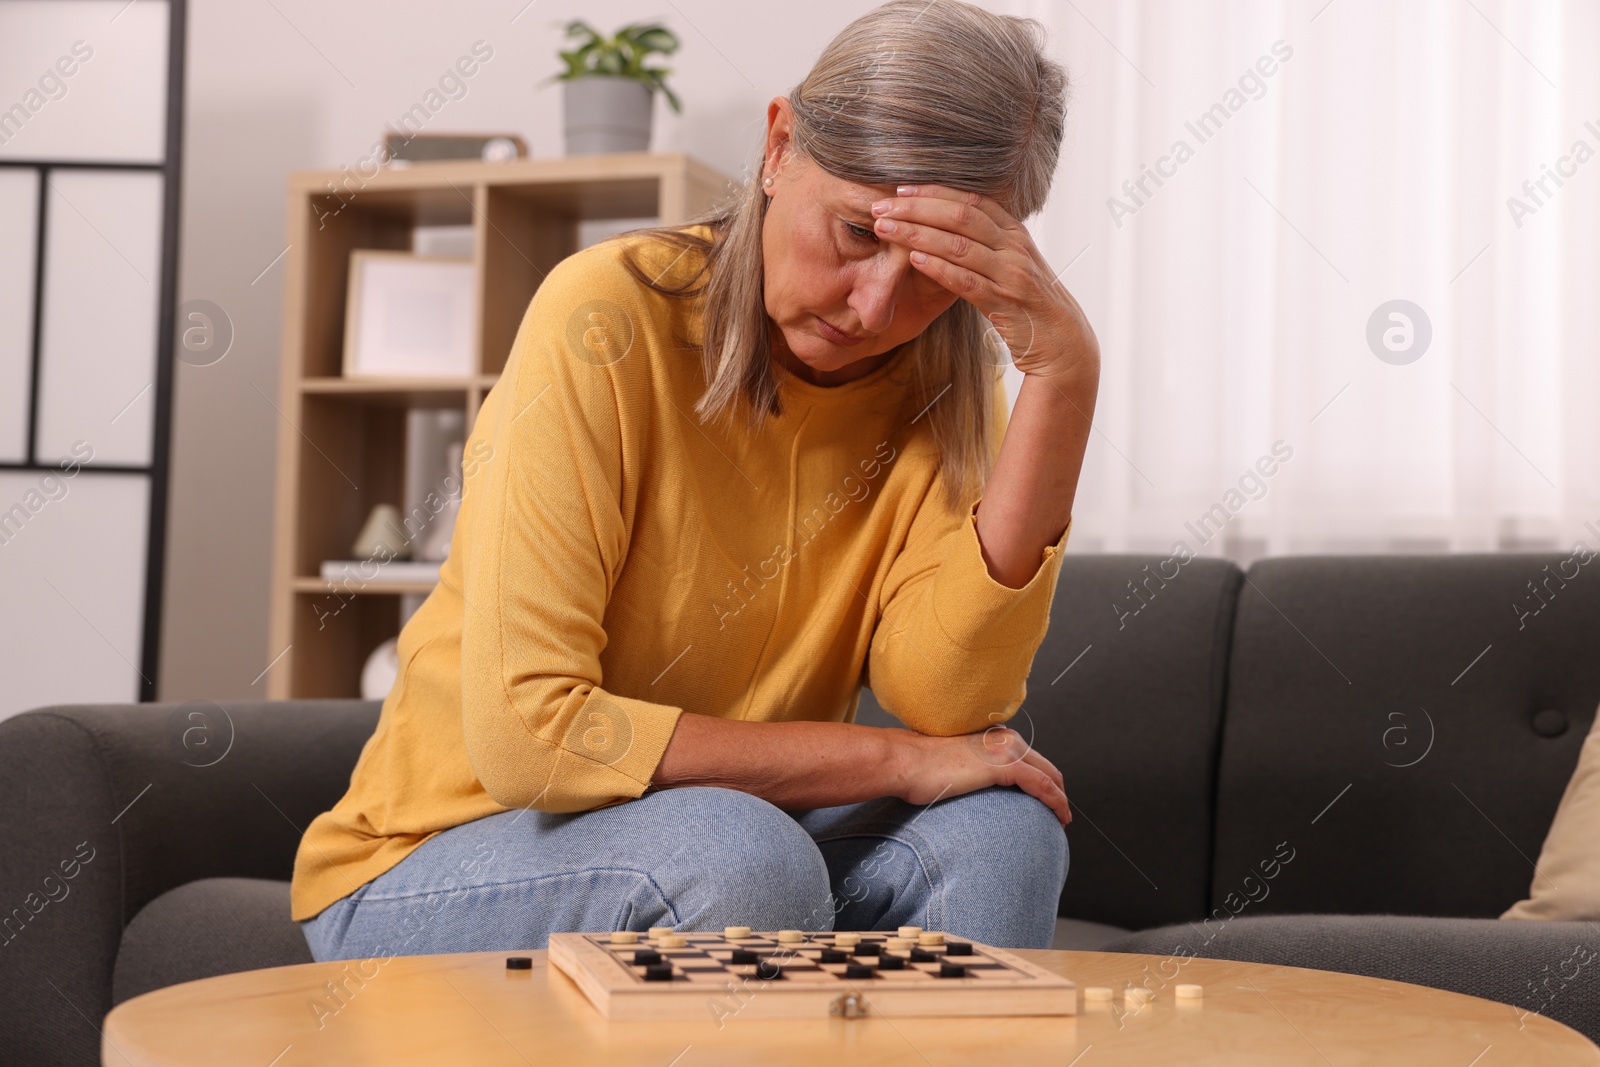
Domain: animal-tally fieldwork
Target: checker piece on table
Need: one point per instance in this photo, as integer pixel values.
(791, 974)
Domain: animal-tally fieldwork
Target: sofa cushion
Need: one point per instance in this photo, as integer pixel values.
(205, 928)
(1125, 696)
(1550, 969)
(1404, 726)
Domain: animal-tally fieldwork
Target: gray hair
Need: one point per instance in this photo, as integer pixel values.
(913, 91)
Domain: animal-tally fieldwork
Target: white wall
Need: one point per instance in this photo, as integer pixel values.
(297, 84)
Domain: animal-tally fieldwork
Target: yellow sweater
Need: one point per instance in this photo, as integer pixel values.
(615, 563)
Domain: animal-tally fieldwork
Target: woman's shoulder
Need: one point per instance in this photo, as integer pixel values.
(667, 260)
(601, 302)
(637, 263)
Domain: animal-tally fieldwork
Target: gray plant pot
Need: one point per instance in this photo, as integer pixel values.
(605, 113)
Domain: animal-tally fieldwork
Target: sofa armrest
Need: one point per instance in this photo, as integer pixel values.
(109, 806)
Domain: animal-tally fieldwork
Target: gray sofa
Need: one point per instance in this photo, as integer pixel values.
(1346, 763)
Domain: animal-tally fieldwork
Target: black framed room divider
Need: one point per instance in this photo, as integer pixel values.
(91, 127)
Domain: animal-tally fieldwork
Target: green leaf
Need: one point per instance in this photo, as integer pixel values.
(580, 28)
(657, 39)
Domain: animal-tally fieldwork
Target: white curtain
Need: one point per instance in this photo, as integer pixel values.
(1316, 161)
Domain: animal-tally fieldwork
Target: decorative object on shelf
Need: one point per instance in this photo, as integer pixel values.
(382, 537)
(381, 670)
(409, 316)
(403, 151)
(436, 544)
(608, 89)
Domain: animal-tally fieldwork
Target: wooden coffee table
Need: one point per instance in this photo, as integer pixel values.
(469, 1008)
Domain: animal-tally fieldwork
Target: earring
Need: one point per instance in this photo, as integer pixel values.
(766, 181)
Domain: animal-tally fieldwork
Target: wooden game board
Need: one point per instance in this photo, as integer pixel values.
(705, 983)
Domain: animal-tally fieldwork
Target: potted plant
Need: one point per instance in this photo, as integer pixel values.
(609, 90)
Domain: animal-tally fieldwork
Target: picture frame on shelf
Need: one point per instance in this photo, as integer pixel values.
(409, 316)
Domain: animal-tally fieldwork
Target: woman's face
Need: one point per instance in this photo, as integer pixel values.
(824, 263)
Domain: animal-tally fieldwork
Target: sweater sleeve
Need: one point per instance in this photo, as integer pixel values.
(953, 647)
(546, 545)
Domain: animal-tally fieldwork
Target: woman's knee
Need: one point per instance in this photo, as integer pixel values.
(741, 860)
(1005, 829)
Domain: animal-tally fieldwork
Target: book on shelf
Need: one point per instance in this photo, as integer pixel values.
(371, 570)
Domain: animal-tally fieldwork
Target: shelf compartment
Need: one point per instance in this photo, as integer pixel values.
(326, 269)
(350, 458)
(446, 205)
(332, 638)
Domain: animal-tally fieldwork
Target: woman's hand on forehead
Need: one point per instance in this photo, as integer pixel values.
(979, 251)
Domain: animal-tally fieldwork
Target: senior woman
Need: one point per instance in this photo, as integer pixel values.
(734, 470)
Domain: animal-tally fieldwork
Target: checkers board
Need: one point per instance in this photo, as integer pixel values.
(834, 972)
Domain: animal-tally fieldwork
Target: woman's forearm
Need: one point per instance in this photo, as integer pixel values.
(1028, 501)
(793, 765)
(803, 765)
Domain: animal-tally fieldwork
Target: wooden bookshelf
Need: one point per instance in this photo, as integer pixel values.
(343, 448)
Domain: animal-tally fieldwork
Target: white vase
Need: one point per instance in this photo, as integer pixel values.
(606, 113)
(381, 670)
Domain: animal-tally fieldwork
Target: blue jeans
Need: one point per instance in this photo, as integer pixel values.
(988, 865)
